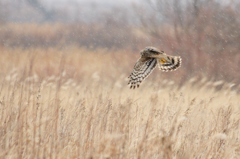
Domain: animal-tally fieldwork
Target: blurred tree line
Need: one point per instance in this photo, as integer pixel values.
(206, 33)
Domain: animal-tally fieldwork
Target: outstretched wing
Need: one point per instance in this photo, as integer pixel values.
(169, 63)
(141, 71)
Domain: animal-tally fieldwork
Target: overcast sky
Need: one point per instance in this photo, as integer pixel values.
(20, 10)
(100, 2)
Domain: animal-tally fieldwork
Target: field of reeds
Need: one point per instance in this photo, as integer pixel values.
(75, 103)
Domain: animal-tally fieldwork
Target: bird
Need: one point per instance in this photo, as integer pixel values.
(150, 58)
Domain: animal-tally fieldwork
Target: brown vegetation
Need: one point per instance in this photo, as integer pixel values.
(74, 103)
(221, 66)
(64, 94)
(61, 35)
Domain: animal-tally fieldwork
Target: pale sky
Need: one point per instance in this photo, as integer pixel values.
(63, 3)
(93, 1)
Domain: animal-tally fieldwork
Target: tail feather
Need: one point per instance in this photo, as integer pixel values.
(170, 63)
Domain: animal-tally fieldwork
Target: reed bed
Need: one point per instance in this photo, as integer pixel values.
(74, 103)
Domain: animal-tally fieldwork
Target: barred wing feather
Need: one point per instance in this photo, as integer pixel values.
(141, 71)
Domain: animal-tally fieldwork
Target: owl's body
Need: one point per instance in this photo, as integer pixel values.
(150, 58)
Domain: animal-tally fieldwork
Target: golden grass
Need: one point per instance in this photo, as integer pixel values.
(74, 103)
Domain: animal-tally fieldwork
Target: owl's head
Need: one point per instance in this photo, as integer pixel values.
(150, 52)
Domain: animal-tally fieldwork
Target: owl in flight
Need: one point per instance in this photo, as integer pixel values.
(150, 58)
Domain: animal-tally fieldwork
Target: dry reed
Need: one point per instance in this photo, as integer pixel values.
(74, 103)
